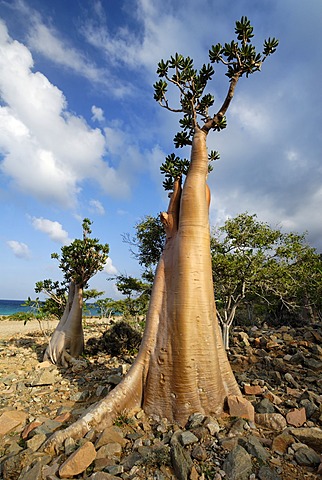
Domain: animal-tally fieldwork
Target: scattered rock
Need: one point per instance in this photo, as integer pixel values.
(78, 461)
(274, 421)
(281, 443)
(240, 407)
(238, 464)
(181, 461)
(12, 420)
(310, 436)
(253, 390)
(296, 417)
(307, 456)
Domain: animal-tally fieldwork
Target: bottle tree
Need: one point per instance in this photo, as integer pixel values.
(182, 365)
(78, 261)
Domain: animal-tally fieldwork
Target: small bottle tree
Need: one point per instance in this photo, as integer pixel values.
(78, 261)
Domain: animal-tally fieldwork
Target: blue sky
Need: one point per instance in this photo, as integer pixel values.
(81, 135)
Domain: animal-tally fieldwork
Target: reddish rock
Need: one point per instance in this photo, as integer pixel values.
(111, 435)
(12, 420)
(64, 417)
(78, 461)
(296, 417)
(253, 390)
(282, 442)
(29, 428)
(273, 398)
(194, 475)
(240, 407)
(273, 421)
(294, 392)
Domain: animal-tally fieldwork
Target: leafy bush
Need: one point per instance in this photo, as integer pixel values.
(121, 338)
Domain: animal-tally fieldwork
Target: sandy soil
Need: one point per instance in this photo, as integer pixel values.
(10, 328)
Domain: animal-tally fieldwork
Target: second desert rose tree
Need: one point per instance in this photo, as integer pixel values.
(182, 365)
(79, 261)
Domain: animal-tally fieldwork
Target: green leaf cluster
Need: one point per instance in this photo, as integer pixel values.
(254, 263)
(240, 58)
(84, 257)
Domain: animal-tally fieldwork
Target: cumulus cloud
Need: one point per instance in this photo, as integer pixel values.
(19, 249)
(97, 207)
(109, 268)
(51, 228)
(48, 152)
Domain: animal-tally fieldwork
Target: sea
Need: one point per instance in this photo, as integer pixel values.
(10, 307)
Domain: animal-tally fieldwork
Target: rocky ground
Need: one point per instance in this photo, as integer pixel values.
(279, 371)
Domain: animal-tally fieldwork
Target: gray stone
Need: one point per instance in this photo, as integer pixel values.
(133, 459)
(114, 379)
(310, 407)
(289, 378)
(79, 396)
(267, 473)
(44, 377)
(115, 469)
(212, 425)
(310, 436)
(238, 464)
(188, 438)
(253, 446)
(36, 441)
(103, 476)
(313, 364)
(196, 420)
(297, 358)
(264, 406)
(181, 461)
(306, 456)
(35, 473)
(238, 428)
(48, 427)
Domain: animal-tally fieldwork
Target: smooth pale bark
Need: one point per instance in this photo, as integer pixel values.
(189, 370)
(68, 334)
(182, 366)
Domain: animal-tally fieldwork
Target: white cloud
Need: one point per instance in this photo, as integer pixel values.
(98, 114)
(109, 267)
(53, 229)
(20, 249)
(47, 151)
(45, 40)
(155, 38)
(97, 207)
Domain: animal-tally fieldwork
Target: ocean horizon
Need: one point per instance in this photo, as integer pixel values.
(11, 307)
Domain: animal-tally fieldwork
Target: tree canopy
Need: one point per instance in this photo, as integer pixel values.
(84, 257)
(240, 59)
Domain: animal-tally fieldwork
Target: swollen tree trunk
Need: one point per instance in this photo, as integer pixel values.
(182, 366)
(68, 338)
